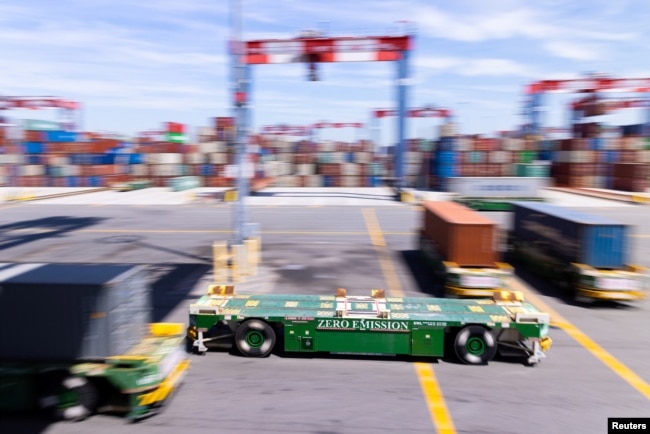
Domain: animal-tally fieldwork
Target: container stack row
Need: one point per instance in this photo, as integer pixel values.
(620, 163)
(477, 156)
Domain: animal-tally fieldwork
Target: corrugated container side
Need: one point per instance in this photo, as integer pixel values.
(78, 311)
(460, 234)
(571, 235)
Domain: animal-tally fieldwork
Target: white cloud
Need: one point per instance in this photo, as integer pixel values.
(475, 67)
(574, 50)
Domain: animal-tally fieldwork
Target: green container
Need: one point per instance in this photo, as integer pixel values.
(376, 169)
(426, 145)
(176, 137)
(533, 170)
(37, 125)
(647, 144)
(325, 157)
(476, 157)
(182, 183)
(526, 156)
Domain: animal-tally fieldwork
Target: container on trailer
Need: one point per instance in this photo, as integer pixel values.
(572, 235)
(460, 234)
(71, 312)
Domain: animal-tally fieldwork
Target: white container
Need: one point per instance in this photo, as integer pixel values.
(285, 157)
(71, 170)
(32, 170)
(362, 157)
(165, 158)
(413, 169)
(500, 157)
(580, 157)
(314, 181)
(485, 187)
(349, 181)
(326, 146)
(194, 158)
(350, 169)
(513, 144)
(287, 181)
(271, 168)
(218, 158)
(210, 147)
(11, 159)
(139, 170)
(412, 157)
(166, 170)
(305, 169)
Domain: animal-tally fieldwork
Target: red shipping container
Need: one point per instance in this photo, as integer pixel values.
(460, 234)
(631, 184)
(175, 127)
(631, 170)
(34, 136)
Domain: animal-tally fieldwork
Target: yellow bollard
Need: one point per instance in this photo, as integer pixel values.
(252, 253)
(238, 267)
(230, 196)
(220, 261)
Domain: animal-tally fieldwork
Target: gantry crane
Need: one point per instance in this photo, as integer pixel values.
(70, 110)
(311, 48)
(422, 112)
(591, 84)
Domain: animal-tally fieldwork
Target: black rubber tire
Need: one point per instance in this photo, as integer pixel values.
(255, 338)
(55, 384)
(479, 338)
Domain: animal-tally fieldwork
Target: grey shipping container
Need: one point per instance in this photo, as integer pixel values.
(72, 312)
(572, 235)
(460, 234)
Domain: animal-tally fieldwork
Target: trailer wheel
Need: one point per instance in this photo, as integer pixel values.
(255, 338)
(68, 397)
(475, 345)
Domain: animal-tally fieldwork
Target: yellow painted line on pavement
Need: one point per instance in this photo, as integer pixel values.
(431, 390)
(435, 400)
(589, 344)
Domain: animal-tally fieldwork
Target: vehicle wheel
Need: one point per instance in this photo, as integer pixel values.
(255, 338)
(475, 345)
(68, 397)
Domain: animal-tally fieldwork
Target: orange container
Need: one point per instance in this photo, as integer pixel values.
(460, 234)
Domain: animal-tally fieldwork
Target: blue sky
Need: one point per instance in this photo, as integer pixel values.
(135, 65)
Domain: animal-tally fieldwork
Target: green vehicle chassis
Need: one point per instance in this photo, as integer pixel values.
(376, 324)
(136, 383)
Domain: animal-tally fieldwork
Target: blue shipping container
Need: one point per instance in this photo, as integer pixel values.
(446, 144)
(95, 181)
(596, 143)
(60, 136)
(328, 181)
(136, 159)
(571, 235)
(446, 157)
(207, 170)
(71, 181)
(633, 130)
(34, 148)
